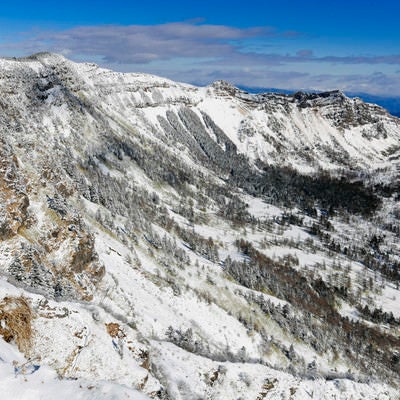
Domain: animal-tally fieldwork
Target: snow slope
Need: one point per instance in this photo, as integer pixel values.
(145, 255)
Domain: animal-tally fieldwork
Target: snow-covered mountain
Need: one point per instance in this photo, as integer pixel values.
(160, 240)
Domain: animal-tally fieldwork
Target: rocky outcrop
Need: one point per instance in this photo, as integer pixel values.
(51, 252)
(61, 263)
(13, 199)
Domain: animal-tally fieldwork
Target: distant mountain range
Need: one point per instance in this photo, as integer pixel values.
(390, 103)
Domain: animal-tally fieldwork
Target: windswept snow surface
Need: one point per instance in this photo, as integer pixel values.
(24, 379)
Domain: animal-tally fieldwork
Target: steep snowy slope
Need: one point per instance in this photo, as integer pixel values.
(193, 242)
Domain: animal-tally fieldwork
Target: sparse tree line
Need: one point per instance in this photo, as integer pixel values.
(144, 211)
(316, 320)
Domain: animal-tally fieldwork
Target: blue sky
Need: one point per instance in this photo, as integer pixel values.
(310, 44)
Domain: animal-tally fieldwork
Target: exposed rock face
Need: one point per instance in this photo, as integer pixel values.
(54, 255)
(14, 201)
(62, 264)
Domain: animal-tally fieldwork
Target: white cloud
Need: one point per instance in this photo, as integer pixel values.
(144, 43)
(196, 52)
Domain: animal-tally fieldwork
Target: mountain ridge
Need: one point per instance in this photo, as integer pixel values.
(194, 242)
(390, 103)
